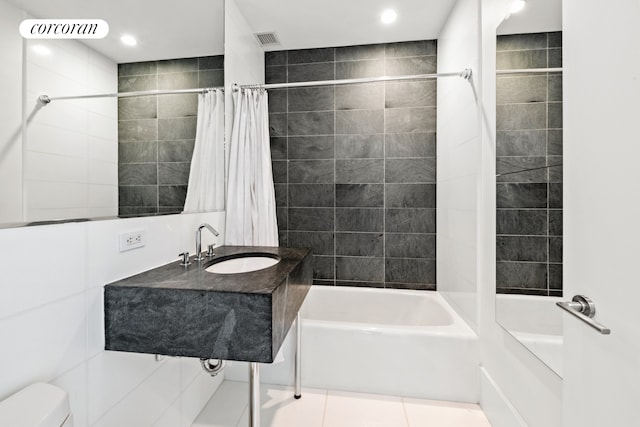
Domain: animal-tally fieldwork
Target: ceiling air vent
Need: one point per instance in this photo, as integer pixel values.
(267, 39)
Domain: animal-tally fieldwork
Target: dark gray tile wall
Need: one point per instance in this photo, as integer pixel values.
(156, 133)
(354, 166)
(529, 136)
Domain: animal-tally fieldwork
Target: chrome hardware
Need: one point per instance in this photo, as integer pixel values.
(465, 74)
(185, 259)
(199, 256)
(210, 253)
(298, 391)
(584, 309)
(212, 366)
(254, 394)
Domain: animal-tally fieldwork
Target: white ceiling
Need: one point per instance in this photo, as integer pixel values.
(164, 28)
(538, 16)
(187, 28)
(323, 23)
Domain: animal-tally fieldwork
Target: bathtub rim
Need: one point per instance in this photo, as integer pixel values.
(457, 328)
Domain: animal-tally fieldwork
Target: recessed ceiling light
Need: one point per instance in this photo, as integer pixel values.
(518, 5)
(388, 16)
(129, 40)
(41, 49)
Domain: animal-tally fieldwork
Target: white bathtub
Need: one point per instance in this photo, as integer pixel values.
(397, 342)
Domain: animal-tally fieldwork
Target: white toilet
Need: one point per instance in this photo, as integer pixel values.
(37, 405)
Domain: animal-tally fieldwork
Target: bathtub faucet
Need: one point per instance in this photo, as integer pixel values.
(199, 256)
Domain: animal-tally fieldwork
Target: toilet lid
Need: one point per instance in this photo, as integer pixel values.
(37, 405)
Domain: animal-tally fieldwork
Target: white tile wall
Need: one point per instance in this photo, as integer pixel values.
(149, 400)
(43, 343)
(23, 286)
(196, 395)
(103, 196)
(74, 382)
(10, 111)
(171, 417)
(103, 149)
(63, 195)
(51, 321)
(65, 130)
(46, 138)
(228, 406)
(459, 162)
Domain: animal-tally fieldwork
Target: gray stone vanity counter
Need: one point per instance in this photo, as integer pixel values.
(186, 311)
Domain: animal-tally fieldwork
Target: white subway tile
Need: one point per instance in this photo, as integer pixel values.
(148, 401)
(103, 196)
(102, 149)
(196, 396)
(74, 382)
(112, 375)
(41, 194)
(60, 254)
(161, 247)
(190, 368)
(43, 343)
(102, 126)
(95, 322)
(66, 59)
(45, 138)
(42, 80)
(43, 214)
(103, 72)
(171, 417)
(105, 173)
(228, 405)
(53, 167)
(107, 106)
(106, 212)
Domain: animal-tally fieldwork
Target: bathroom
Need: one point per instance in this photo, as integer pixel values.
(51, 298)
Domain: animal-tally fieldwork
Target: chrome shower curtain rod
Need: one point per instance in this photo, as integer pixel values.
(465, 74)
(530, 70)
(45, 99)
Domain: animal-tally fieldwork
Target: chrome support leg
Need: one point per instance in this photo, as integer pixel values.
(254, 394)
(298, 393)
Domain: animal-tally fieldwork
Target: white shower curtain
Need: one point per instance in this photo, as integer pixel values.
(205, 192)
(251, 202)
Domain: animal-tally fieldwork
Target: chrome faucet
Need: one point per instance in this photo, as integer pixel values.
(199, 256)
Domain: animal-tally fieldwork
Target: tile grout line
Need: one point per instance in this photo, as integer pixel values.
(404, 411)
(384, 173)
(286, 60)
(546, 134)
(335, 176)
(324, 408)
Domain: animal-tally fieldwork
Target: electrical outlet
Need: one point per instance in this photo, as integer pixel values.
(131, 240)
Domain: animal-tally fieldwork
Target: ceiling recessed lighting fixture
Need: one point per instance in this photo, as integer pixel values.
(388, 16)
(518, 5)
(41, 49)
(128, 40)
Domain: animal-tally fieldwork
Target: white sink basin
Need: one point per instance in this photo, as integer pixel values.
(242, 264)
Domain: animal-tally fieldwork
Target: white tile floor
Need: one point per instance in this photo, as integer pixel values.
(327, 408)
